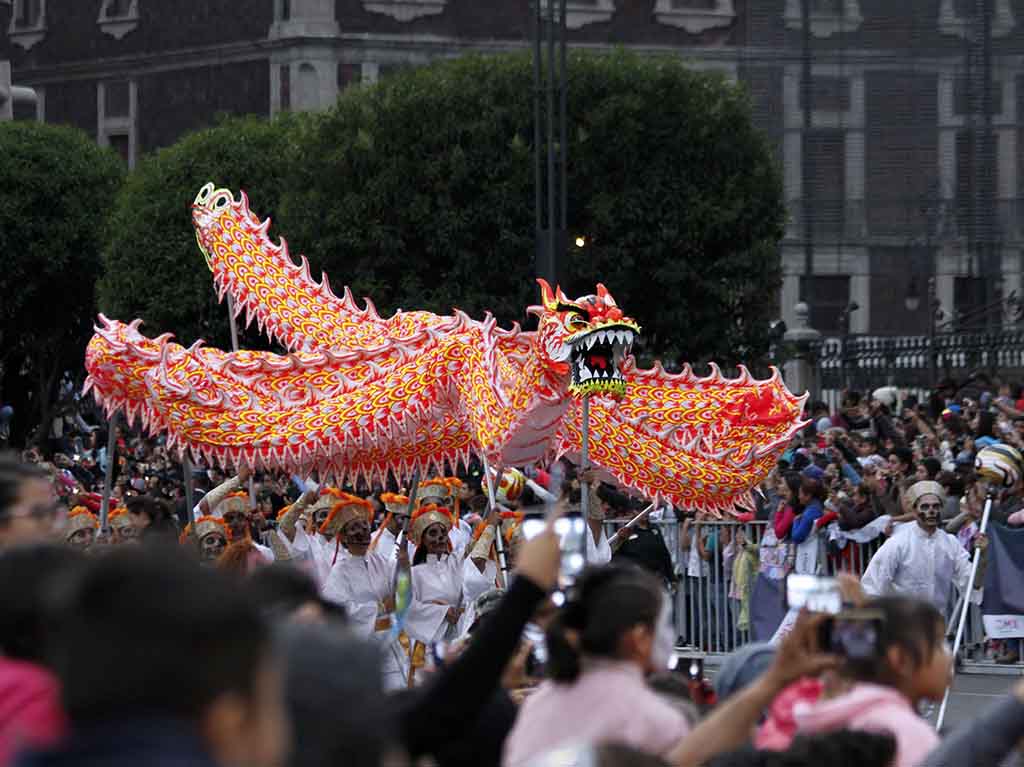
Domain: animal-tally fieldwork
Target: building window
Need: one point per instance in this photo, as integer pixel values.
(975, 184)
(972, 307)
(118, 17)
(28, 14)
(959, 17)
(405, 10)
(348, 74)
(824, 180)
(968, 97)
(579, 13)
(285, 78)
(695, 16)
(828, 296)
(117, 109)
(826, 18)
(28, 22)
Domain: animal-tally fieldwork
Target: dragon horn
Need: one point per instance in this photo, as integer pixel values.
(604, 295)
(547, 295)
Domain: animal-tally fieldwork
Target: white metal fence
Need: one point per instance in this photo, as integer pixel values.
(708, 615)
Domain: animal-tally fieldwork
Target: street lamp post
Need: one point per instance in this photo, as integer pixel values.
(550, 135)
(844, 330)
(912, 302)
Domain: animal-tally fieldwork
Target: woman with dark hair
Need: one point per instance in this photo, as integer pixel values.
(790, 507)
(31, 715)
(154, 519)
(880, 690)
(614, 629)
(865, 509)
(812, 497)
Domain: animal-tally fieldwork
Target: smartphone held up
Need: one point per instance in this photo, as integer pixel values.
(850, 633)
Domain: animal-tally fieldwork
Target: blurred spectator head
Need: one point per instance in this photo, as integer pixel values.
(812, 490)
(901, 461)
(886, 396)
(789, 486)
(742, 667)
(148, 633)
(599, 755)
(153, 517)
(27, 575)
(839, 748)
(929, 468)
(612, 613)
(285, 591)
(911, 653)
(867, 445)
(28, 506)
(325, 668)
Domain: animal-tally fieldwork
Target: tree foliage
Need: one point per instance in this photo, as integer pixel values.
(154, 269)
(57, 188)
(419, 192)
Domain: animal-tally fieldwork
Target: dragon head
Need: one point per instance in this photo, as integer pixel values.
(588, 337)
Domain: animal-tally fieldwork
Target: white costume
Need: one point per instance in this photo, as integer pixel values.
(918, 564)
(386, 547)
(437, 585)
(221, 500)
(599, 553)
(361, 584)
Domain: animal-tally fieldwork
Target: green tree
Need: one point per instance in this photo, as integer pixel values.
(56, 190)
(153, 267)
(419, 192)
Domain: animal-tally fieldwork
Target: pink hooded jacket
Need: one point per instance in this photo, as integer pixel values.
(31, 715)
(873, 708)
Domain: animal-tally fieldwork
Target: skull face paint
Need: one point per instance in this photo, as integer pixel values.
(238, 524)
(356, 535)
(319, 517)
(929, 511)
(435, 539)
(212, 546)
(82, 539)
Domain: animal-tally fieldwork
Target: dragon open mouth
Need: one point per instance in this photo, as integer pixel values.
(596, 358)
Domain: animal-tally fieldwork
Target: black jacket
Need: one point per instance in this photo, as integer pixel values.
(463, 716)
(646, 547)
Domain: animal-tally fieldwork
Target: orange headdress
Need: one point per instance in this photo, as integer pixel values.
(203, 526)
(454, 486)
(80, 518)
(235, 502)
(345, 509)
(435, 491)
(395, 504)
(428, 515)
(119, 518)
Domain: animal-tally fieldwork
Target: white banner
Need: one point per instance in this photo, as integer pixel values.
(1004, 626)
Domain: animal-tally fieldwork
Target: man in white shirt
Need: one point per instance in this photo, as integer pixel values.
(924, 561)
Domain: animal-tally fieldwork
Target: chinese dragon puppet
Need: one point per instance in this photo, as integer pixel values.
(360, 396)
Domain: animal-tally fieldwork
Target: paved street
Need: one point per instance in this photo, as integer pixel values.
(972, 694)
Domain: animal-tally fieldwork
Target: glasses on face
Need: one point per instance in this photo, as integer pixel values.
(39, 512)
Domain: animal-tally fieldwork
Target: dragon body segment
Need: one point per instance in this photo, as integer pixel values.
(358, 395)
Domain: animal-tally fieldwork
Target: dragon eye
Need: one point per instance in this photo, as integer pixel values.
(576, 319)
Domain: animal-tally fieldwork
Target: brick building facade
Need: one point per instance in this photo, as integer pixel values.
(887, 172)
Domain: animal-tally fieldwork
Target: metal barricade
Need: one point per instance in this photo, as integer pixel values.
(706, 612)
